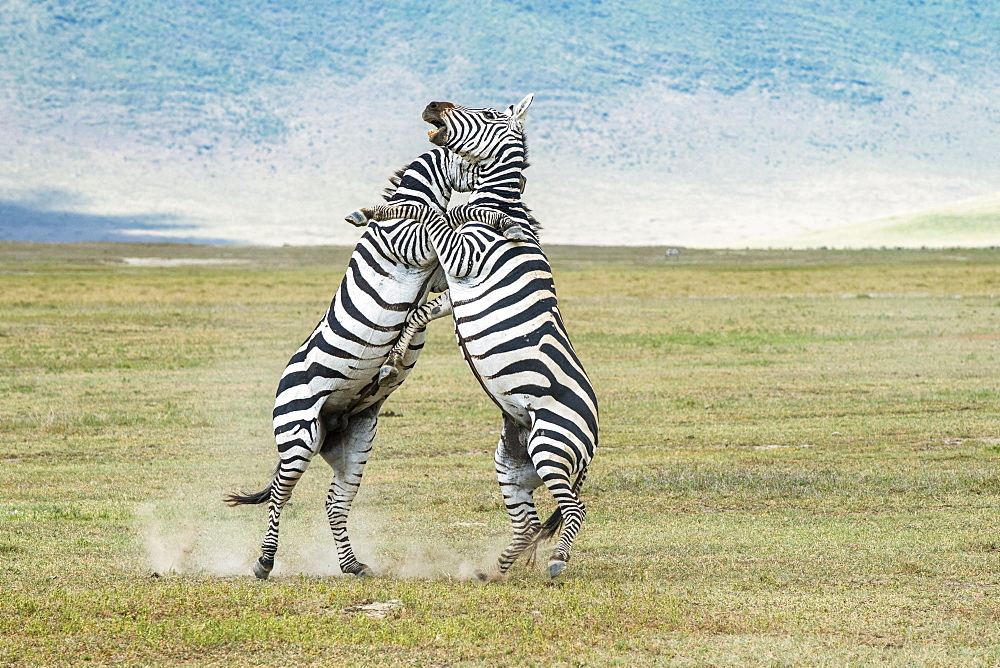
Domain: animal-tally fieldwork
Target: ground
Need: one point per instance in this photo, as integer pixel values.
(798, 465)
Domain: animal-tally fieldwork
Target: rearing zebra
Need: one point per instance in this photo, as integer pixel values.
(512, 335)
(329, 397)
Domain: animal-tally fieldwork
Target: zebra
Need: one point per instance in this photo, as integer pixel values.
(329, 397)
(512, 335)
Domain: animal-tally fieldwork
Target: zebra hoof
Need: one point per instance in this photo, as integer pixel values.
(515, 234)
(387, 374)
(556, 567)
(357, 219)
(490, 575)
(260, 570)
(365, 572)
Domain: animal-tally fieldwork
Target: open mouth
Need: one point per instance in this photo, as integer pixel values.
(432, 114)
(439, 135)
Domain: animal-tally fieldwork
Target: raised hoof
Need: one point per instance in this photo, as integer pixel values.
(556, 567)
(387, 374)
(357, 219)
(260, 571)
(515, 234)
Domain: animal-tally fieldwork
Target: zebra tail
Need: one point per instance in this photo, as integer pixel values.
(552, 526)
(234, 499)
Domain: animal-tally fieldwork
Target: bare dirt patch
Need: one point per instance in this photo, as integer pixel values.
(176, 261)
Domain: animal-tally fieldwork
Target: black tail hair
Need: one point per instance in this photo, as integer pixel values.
(234, 499)
(552, 526)
(264, 495)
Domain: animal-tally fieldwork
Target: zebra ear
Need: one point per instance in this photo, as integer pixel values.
(519, 111)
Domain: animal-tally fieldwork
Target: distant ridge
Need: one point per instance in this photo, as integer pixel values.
(970, 223)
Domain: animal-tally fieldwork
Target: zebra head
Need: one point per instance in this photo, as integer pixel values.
(475, 133)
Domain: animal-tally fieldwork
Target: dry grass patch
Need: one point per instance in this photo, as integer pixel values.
(798, 466)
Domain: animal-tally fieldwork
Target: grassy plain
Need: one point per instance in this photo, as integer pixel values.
(798, 466)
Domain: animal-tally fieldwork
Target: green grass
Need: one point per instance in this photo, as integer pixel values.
(798, 466)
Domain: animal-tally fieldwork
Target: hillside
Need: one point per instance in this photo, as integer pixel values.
(967, 224)
(712, 126)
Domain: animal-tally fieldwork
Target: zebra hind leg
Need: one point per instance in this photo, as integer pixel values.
(569, 515)
(295, 457)
(518, 481)
(573, 513)
(438, 307)
(347, 454)
(259, 569)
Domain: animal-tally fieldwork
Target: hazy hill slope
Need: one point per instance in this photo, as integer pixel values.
(969, 223)
(710, 118)
(212, 63)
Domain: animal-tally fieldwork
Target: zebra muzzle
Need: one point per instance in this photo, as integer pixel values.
(432, 114)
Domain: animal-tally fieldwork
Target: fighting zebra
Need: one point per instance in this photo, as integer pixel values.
(511, 333)
(329, 397)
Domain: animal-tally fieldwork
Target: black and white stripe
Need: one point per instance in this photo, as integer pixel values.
(512, 335)
(328, 398)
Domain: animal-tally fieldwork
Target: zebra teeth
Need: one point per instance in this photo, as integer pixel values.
(438, 137)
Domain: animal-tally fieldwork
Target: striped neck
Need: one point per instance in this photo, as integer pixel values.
(499, 182)
(431, 178)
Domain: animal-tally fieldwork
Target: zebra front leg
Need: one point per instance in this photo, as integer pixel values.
(358, 218)
(509, 227)
(518, 481)
(438, 307)
(381, 212)
(347, 454)
(514, 231)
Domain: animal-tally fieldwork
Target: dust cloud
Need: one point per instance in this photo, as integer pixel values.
(196, 534)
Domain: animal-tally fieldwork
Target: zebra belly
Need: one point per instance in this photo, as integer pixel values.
(519, 351)
(336, 370)
(503, 361)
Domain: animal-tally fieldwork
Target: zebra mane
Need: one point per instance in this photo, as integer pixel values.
(394, 181)
(532, 221)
